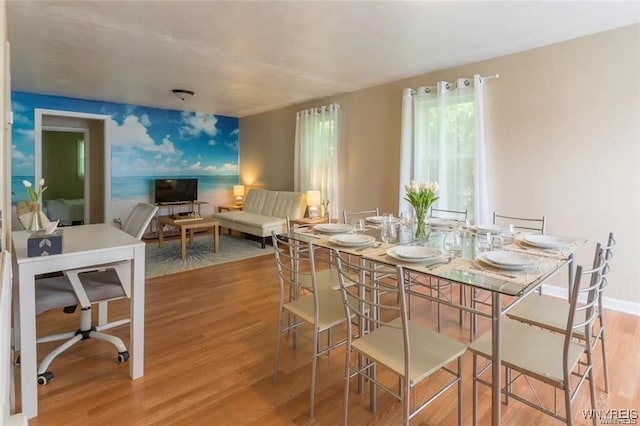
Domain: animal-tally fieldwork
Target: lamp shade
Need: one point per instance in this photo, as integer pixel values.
(313, 198)
(238, 190)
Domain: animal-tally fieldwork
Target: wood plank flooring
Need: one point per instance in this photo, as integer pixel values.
(210, 336)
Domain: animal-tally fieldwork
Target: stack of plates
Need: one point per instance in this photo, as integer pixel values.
(379, 220)
(507, 260)
(543, 241)
(332, 228)
(413, 253)
(351, 240)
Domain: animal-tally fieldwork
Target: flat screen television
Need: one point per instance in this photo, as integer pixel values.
(176, 190)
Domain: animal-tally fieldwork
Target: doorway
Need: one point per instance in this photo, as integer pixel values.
(72, 153)
(63, 168)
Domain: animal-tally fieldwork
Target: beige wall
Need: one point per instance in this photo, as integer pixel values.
(563, 139)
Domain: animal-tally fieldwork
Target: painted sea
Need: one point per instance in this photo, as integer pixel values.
(139, 187)
(126, 192)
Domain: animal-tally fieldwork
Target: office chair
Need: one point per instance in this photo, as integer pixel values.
(86, 286)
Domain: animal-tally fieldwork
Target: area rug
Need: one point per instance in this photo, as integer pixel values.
(166, 260)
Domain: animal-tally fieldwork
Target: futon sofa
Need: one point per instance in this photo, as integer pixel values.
(264, 211)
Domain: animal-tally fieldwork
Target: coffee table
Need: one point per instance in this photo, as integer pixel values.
(189, 224)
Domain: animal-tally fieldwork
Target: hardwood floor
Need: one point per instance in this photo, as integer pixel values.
(210, 336)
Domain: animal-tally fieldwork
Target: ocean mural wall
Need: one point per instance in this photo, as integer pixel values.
(146, 144)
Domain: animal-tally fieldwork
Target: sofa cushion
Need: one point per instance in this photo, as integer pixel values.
(260, 201)
(290, 204)
(258, 220)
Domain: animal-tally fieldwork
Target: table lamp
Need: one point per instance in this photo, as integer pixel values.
(313, 201)
(238, 192)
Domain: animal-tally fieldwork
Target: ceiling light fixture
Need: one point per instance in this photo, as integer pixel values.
(183, 94)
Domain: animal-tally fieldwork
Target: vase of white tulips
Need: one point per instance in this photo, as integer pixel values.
(35, 202)
(421, 195)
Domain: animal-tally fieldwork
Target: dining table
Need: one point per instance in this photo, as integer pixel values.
(82, 246)
(470, 266)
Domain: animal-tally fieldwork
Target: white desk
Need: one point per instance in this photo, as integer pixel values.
(83, 246)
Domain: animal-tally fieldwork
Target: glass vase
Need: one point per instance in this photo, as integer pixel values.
(36, 223)
(421, 222)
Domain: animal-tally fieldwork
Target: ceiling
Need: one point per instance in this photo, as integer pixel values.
(243, 58)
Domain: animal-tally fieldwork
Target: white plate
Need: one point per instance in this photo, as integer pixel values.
(544, 241)
(351, 240)
(416, 252)
(392, 252)
(516, 262)
(332, 228)
(381, 219)
(489, 228)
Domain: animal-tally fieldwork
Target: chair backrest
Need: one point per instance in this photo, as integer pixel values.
(5, 340)
(586, 286)
(139, 219)
(457, 215)
(522, 223)
(358, 282)
(349, 216)
(296, 268)
(608, 255)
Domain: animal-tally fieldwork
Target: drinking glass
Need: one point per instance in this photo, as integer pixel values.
(357, 225)
(388, 232)
(453, 243)
(483, 242)
(496, 241)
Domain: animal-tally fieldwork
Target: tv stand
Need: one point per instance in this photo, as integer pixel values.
(172, 209)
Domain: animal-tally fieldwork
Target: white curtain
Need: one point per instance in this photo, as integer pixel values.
(442, 141)
(316, 153)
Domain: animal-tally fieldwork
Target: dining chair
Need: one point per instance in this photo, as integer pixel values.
(309, 296)
(441, 286)
(520, 224)
(349, 216)
(547, 357)
(527, 224)
(85, 287)
(457, 215)
(551, 312)
(404, 347)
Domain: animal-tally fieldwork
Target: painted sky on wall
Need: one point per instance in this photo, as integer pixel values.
(144, 141)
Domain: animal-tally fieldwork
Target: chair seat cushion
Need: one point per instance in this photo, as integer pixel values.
(528, 349)
(547, 312)
(429, 350)
(57, 292)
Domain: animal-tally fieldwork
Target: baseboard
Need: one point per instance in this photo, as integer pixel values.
(609, 303)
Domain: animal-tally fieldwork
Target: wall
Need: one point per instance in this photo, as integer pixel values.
(145, 144)
(562, 131)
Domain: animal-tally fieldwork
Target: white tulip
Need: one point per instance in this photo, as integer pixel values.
(41, 182)
(26, 183)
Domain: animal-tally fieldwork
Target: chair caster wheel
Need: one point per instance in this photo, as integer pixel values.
(45, 378)
(123, 356)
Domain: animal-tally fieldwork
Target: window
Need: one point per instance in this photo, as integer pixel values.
(443, 141)
(316, 153)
